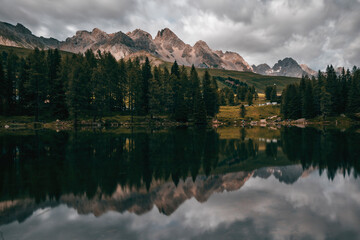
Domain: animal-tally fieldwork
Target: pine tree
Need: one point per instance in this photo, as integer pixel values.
(268, 91)
(354, 93)
(210, 95)
(38, 82)
(291, 102)
(308, 101)
(216, 95)
(167, 92)
(242, 111)
(57, 105)
(120, 89)
(2, 88)
(325, 103)
(137, 82)
(175, 70)
(199, 108)
(318, 84)
(79, 95)
(24, 97)
(194, 87)
(249, 98)
(10, 83)
(182, 110)
(273, 97)
(146, 77)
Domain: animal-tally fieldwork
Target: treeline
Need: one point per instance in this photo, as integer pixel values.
(242, 93)
(271, 93)
(328, 95)
(93, 85)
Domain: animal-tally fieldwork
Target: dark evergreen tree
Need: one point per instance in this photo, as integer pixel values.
(354, 93)
(273, 97)
(175, 70)
(308, 100)
(325, 103)
(79, 94)
(121, 87)
(10, 84)
(146, 77)
(56, 92)
(242, 111)
(24, 98)
(182, 110)
(2, 88)
(38, 88)
(268, 91)
(249, 98)
(199, 111)
(210, 96)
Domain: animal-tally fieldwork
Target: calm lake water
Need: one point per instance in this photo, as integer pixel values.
(229, 183)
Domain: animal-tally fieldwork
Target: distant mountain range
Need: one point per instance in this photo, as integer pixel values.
(166, 46)
(286, 67)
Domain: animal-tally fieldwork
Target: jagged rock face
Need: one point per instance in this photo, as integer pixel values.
(308, 70)
(20, 36)
(166, 46)
(262, 69)
(287, 67)
(142, 40)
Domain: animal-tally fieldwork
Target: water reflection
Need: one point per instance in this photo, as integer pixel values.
(266, 177)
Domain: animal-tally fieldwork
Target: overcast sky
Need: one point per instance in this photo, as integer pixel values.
(315, 32)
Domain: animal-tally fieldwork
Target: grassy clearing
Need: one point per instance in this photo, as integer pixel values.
(230, 114)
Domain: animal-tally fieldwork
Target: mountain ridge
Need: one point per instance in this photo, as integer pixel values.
(166, 46)
(286, 67)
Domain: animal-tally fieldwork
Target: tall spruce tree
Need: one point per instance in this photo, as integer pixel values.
(79, 94)
(38, 82)
(24, 98)
(354, 93)
(146, 77)
(325, 103)
(2, 88)
(242, 111)
(10, 84)
(209, 93)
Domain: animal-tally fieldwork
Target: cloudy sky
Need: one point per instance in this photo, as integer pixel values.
(316, 32)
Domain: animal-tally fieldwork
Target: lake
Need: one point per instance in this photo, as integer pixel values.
(180, 183)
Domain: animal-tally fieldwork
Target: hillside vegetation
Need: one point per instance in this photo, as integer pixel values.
(259, 81)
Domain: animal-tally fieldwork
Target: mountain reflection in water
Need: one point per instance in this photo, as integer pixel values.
(259, 173)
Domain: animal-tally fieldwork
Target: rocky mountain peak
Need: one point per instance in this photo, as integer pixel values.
(286, 62)
(21, 29)
(201, 44)
(307, 69)
(99, 34)
(138, 33)
(166, 34)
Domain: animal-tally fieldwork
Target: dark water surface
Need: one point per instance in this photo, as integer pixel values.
(229, 183)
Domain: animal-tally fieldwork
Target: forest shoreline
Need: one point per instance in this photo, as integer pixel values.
(25, 123)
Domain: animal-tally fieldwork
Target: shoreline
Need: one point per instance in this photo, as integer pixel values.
(11, 124)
